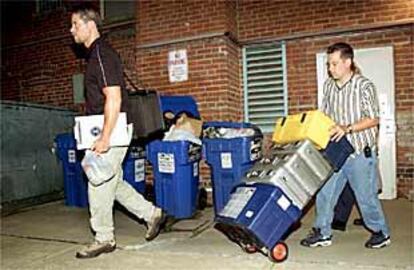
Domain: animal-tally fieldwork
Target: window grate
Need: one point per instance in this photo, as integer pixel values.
(265, 85)
(117, 10)
(45, 6)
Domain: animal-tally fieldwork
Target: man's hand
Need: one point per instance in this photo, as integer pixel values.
(100, 146)
(337, 132)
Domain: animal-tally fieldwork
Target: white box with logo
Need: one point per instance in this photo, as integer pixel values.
(88, 129)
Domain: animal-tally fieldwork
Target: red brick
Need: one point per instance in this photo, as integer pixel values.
(215, 72)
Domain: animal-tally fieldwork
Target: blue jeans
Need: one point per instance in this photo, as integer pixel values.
(362, 174)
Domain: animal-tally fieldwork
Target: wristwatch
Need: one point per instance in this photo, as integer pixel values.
(349, 129)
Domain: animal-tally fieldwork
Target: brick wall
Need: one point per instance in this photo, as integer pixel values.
(38, 58)
(213, 60)
(166, 20)
(40, 73)
(38, 62)
(310, 27)
(212, 78)
(270, 19)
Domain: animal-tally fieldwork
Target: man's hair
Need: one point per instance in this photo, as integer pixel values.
(346, 53)
(88, 14)
(345, 49)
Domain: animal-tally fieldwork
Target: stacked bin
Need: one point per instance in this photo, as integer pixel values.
(134, 168)
(256, 217)
(75, 184)
(176, 165)
(276, 189)
(230, 159)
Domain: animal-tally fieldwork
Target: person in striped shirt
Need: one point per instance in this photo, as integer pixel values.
(350, 99)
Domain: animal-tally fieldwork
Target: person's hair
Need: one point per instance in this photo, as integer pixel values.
(88, 14)
(346, 53)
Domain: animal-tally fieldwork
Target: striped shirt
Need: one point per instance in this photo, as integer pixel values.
(347, 105)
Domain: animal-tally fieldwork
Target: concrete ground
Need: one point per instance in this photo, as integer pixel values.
(47, 237)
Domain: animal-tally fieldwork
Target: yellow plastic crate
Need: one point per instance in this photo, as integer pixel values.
(312, 125)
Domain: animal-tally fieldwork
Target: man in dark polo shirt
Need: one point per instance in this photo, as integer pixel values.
(106, 94)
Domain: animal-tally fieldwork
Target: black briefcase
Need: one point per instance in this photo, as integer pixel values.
(144, 111)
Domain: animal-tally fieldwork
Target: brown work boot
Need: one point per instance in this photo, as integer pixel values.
(155, 223)
(95, 249)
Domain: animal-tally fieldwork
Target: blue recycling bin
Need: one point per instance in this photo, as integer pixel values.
(230, 159)
(75, 182)
(176, 176)
(176, 164)
(179, 104)
(134, 168)
(260, 215)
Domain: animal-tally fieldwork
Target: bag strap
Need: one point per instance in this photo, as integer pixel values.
(144, 87)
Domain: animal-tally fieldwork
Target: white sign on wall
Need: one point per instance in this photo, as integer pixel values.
(178, 65)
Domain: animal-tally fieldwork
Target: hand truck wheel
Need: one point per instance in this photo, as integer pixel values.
(250, 248)
(279, 252)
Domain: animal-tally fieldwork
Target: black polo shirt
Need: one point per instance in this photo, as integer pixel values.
(103, 69)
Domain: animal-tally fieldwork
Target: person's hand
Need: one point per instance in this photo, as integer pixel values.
(337, 132)
(100, 146)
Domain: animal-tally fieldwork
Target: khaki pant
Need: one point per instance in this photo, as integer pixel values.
(101, 198)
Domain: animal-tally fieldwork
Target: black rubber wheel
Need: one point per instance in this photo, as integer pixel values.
(149, 193)
(279, 252)
(250, 248)
(202, 199)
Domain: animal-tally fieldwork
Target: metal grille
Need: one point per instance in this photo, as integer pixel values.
(264, 78)
(117, 10)
(44, 6)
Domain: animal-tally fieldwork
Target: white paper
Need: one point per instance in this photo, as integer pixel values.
(71, 156)
(238, 201)
(177, 134)
(139, 173)
(283, 202)
(249, 214)
(166, 163)
(195, 169)
(226, 162)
